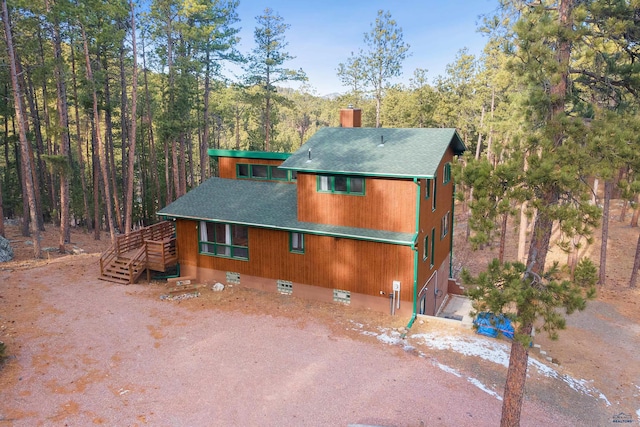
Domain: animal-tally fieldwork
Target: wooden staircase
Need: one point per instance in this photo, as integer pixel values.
(146, 249)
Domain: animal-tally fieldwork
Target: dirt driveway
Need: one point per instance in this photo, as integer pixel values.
(87, 352)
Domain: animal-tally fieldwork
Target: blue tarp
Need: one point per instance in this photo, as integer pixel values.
(490, 325)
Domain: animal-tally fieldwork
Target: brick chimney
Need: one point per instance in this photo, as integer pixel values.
(351, 117)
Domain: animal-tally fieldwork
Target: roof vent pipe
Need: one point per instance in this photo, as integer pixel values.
(309, 159)
(381, 141)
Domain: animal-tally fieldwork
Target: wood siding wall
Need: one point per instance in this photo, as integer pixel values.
(227, 165)
(388, 204)
(429, 220)
(328, 262)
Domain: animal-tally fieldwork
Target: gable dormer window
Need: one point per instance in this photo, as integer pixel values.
(340, 184)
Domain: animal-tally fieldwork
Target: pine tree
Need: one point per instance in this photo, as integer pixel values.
(265, 67)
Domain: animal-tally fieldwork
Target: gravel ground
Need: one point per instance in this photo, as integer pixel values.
(87, 352)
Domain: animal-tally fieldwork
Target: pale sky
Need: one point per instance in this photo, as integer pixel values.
(323, 34)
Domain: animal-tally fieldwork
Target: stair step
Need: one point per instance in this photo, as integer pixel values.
(114, 280)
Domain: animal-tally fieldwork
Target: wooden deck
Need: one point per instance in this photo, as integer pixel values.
(149, 249)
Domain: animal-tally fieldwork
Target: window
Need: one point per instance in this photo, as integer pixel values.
(427, 188)
(260, 171)
(447, 173)
(444, 226)
(433, 246)
(242, 171)
(434, 181)
(225, 240)
(279, 174)
(425, 253)
(264, 172)
(341, 184)
(296, 242)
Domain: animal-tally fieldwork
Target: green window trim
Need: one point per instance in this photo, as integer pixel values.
(433, 247)
(425, 251)
(444, 226)
(340, 184)
(223, 240)
(296, 242)
(435, 188)
(447, 173)
(263, 172)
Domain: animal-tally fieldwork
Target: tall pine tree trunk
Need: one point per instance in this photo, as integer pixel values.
(83, 180)
(17, 99)
(636, 266)
(636, 213)
(2, 232)
(65, 143)
(608, 191)
(102, 155)
(108, 146)
(132, 136)
(157, 199)
(204, 144)
(543, 226)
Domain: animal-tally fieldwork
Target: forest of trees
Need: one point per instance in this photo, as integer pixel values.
(108, 109)
(114, 105)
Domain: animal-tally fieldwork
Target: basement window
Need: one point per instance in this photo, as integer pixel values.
(285, 287)
(341, 296)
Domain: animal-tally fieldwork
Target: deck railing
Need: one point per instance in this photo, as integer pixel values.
(154, 246)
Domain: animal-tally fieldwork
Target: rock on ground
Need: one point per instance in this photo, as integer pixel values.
(6, 253)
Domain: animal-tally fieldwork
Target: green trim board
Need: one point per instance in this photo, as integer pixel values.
(265, 155)
(264, 204)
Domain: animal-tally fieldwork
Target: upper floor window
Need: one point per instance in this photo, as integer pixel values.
(265, 172)
(447, 173)
(427, 188)
(425, 251)
(225, 240)
(341, 184)
(433, 247)
(444, 226)
(434, 181)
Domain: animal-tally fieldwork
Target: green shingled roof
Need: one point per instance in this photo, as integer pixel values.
(263, 204)
(410, 153)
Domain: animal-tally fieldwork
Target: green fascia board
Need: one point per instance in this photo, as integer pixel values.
(265, 205)
(265, 155)
(376, 152)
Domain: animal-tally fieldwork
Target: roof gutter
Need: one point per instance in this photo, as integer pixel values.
(294, 229)
(267, 155)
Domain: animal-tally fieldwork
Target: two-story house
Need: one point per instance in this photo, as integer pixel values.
(361, 216)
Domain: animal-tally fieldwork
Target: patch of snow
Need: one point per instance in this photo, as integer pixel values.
(393, 338)
(496, 352)
(482, 387)
(448, 369)
(469, 346)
